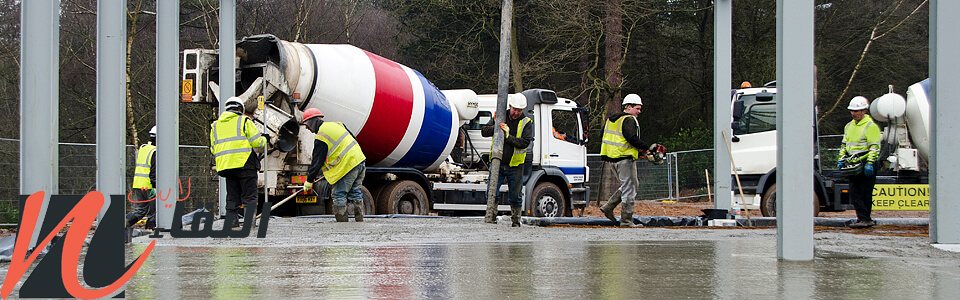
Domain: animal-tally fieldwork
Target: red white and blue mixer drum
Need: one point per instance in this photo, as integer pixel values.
(400, 118)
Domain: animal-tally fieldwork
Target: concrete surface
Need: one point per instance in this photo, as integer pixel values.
(464, 258)
(468, 259)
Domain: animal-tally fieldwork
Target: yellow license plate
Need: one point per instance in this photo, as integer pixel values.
(306, 199)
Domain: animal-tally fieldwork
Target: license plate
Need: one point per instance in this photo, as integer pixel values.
(306, 199)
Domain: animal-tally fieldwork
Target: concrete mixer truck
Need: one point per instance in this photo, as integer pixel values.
(902, 182)
(423, 145)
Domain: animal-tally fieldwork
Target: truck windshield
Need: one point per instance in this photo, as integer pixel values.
(757, 116)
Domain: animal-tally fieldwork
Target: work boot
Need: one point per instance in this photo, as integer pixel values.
(340, 213)
(607, 208)
(358, 212)
(515, 216)
(863, 224)
(626, 216)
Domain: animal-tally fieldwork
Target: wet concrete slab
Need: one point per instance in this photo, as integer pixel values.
(466, 259)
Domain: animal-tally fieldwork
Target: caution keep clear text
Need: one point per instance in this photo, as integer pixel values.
(901, 197)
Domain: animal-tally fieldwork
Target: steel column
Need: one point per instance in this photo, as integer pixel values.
(228, 41)
(722, 62)
(168, 111)
(111, 93)
(944, 107)
(795, 117)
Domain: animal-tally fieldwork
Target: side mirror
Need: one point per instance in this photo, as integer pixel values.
(735, 126)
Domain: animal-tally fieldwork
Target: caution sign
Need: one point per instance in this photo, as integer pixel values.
(186, 90)
(901, 197)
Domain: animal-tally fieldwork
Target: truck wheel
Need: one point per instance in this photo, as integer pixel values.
(368, 207)
(548, 201)
(768, 204)
(403, 197)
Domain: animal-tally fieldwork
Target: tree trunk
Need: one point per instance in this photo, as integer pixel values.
(131, 121)
(613, 49)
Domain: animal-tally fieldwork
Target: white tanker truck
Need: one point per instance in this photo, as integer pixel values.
(902, 182)
(423, 145)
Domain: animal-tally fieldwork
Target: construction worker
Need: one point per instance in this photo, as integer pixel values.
(233, 138)
(861, 145)
(518, 135)
(144, 184)
(337, 155)
(620, 149)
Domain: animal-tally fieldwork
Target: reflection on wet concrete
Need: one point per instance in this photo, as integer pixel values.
(728, 269)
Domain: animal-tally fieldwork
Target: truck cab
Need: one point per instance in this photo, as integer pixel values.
(555, 181)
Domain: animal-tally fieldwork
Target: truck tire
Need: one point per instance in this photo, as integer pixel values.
(368, 207)
(548, 201)
(402, 197)
(768, 203)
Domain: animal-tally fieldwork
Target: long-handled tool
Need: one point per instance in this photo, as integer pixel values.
(737, 176)
(288, 198)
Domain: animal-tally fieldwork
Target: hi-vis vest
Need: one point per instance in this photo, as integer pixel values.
(861, 137)
(519, 155)
(343, 153)
(615, 145)
(141, 174)
(231, 142)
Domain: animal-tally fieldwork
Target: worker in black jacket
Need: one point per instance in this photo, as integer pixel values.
(518, 135)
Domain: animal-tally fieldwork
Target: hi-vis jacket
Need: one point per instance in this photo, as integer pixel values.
(232, 139)
(144, 175)
(342, 155)
(859, 138)
(621, 138)
(514, 144)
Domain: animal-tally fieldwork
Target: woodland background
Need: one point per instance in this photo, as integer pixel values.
(592, 51)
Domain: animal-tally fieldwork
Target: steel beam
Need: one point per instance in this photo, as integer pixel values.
(722, 62)
(111, 96)
(228, 49)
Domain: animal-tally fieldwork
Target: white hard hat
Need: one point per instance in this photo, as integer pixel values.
(517, 101)
(858, 103)
(233, 103)
(632, 99)
(153, 131)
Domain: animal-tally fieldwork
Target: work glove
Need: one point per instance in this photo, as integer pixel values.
(153, 193)
(307, 186)
(266, 136)
(840, 164)
(868, 169)
(658, 148)
(506, 129)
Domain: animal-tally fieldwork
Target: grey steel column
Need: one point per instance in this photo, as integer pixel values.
(795, 117)
(39, 100)
(944, 93)
(111, 93)
(168, 111)
(228, 49)
(722, 61)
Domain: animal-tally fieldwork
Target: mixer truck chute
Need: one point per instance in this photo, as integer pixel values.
(406, 126)
(902, 162)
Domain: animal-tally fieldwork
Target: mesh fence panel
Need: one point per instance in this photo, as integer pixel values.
(78, 171)
(681, 176)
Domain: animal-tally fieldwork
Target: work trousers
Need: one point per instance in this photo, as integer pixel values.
(350, 187)
(514, 178)
(241, 189)
(861, 195)
(626, 170)
(148, 209)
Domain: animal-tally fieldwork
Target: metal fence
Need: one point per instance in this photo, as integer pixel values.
(681, 176)
(78, 170)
